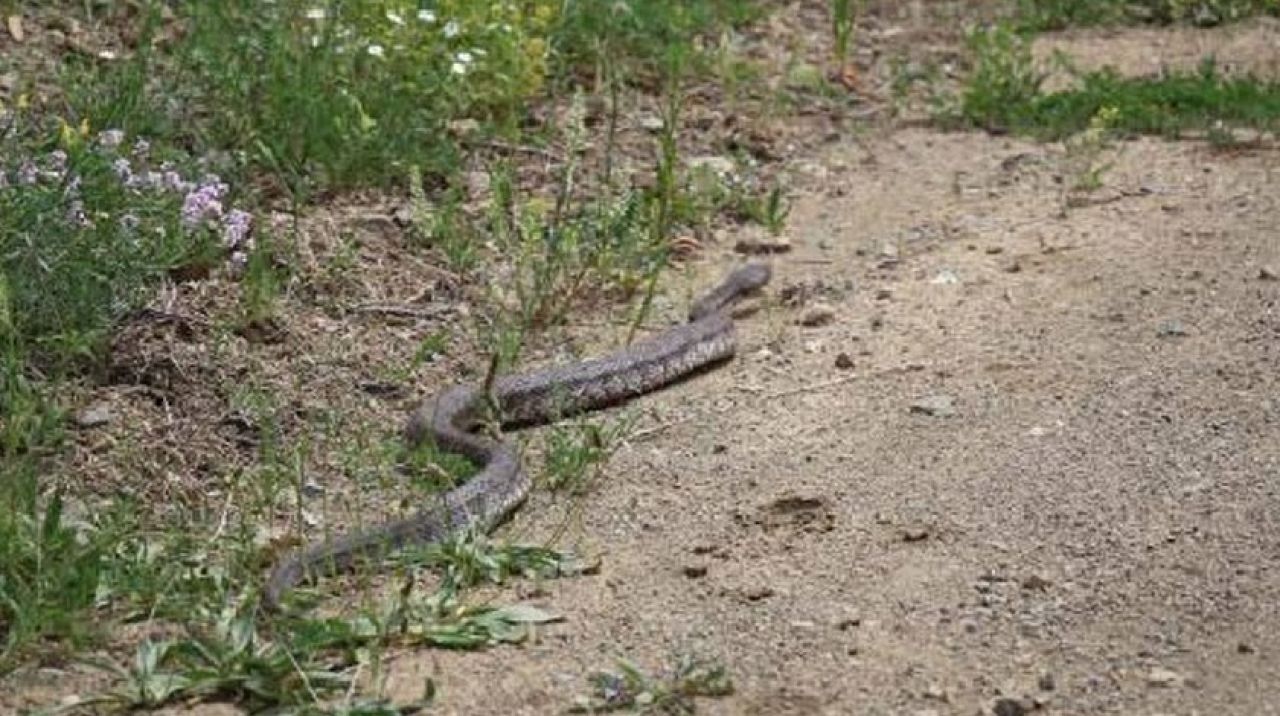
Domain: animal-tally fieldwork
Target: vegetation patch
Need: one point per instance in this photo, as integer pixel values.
(1003, 93)
(1040, 15)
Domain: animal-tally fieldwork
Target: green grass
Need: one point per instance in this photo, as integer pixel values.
(1003, 93)
(1040, 15)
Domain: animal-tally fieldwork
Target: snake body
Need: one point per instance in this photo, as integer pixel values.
(453, 417)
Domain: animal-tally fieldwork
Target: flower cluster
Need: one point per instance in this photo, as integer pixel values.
(202, 203)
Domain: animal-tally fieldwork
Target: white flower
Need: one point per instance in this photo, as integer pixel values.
(395, 18)
(315, 13)
(464, 57)
(315, 40)
(458, 68)
(451, 29)
(426, 15)
(375, 50)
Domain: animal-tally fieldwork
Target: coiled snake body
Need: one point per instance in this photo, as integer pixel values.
(501, 485)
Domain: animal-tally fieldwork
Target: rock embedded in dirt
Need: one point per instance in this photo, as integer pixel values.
(1009, 707)
(819, 314)
(938, 406)
(1160, 677)
(1268, 273)
(1171, 329)
(916, 533)
(1046, 682)
(93, 416)
(844, 361)
(694, 571)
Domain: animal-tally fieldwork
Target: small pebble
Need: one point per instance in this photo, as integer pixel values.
(695, 571)
(1268, 273)
(938, 406)
(1162, 678)
(819, 314)
(1171, 329)
(915, 534)
(93, 416)
(763, 245)
(1009, 707)
(844, 361)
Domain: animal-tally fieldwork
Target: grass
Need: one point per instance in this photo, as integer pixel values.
(1041, 15)
(1003, 93)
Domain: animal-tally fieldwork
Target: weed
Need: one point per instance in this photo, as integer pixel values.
(844, 17)
(1004, 78)
(1084, 150)
(575, 450)
(630, 689)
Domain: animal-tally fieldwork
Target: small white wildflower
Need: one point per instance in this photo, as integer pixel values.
(478, 51)
(464, 57)
(458, 68)
(315, 40)
(395, 18)
(451, 29)
(375, 50)
(315, 13)
(426, 15)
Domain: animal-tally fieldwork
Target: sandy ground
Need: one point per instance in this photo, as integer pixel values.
(1094, 528)
(1031, 462)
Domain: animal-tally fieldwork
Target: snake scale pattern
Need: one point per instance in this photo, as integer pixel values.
(453, 418)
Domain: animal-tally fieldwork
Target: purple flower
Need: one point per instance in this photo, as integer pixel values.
(202, 203)
(235, 229)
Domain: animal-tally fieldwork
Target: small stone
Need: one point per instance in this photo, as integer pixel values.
(312, 489)
(1009, 707)
(1243, 648)
(93, 416)
(755, 594)
(650, 123)
(1268, 273)
(1046, 682)
(763, 244)
(884, 294)
(819, 314)
(721, 166)
(915, 534)
(844, 361)
(945, 277)
(933, 692)
(938, 406)
(1160, 677)
(1171, 329)
(1035, 583)
(695, 571)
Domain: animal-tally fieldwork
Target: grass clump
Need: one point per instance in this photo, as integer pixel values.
(630, 689)
(1041, 15)
(1004, 93)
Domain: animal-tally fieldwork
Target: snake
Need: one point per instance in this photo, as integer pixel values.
(455, 418)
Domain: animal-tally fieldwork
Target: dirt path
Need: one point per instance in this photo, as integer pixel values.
(1095, 528)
